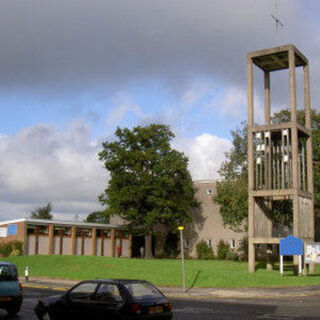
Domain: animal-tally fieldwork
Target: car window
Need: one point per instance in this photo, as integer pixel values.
(83, 291)
(8, 273)
(108, 293)
(143, 290)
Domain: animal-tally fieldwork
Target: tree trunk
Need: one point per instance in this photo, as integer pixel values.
(160, 243)
(148, 247)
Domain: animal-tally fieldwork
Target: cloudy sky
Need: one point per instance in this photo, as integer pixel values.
(71, 71)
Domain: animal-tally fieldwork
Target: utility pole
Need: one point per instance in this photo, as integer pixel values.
(182, 260)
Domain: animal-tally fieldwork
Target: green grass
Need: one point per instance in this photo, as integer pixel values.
(199, 273)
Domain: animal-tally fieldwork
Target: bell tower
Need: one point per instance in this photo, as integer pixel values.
(279, 155)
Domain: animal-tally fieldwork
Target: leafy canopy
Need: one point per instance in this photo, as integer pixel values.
(98, 217)
(42, 212)
(232, 192)
(149, 181)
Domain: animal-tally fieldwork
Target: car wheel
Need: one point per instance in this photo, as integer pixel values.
(14, 309)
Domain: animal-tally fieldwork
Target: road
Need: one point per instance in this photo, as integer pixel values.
(200, 309)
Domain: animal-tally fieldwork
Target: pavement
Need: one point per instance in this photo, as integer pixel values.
(176, 292)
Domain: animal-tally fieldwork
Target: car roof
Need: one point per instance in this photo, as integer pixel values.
(118, 281)
(6, 263)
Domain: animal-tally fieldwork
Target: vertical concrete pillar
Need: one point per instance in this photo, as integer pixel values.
(252, 258)
(94, 241)
(292, 88)
(36, 239)
(102, 242)
(73, 240)
(250, 165)
(250, 91)
(112, 242)
(50, 234)
(25, 238)
(130, 246)
(267, 112)
(310, 184)
(294, 138)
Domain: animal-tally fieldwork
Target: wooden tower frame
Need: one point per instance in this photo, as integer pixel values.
(279, 155)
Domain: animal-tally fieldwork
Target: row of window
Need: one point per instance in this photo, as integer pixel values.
(80, 232)
(232, 243)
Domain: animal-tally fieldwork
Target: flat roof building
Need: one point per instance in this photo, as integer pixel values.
(67, 237)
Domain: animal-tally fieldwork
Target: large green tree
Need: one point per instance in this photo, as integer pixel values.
(150, 185)
(232, 191)
(42, 212)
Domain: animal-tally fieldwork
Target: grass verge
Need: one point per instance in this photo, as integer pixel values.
(199, 273)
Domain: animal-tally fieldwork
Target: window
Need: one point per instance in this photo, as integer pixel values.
(232, 243)
(209, 243)
(83, 291)
(43, 230)
(108, 293)
(81, 232)
(104, 233)
(8, 273)
(143, 290)
(209, 191)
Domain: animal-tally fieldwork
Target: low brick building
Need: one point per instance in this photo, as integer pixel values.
(67, 238)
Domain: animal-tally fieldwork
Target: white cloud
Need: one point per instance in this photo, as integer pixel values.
(205, 153)
(41, 164)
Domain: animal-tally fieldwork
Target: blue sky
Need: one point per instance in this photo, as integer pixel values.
(71, 71)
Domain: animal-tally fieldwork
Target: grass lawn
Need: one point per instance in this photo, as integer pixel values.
(199, 273)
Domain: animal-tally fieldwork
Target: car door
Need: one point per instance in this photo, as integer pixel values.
(80, 299)
(108, 302)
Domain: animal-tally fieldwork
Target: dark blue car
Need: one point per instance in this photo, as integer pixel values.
(10, 288)
(108, 299)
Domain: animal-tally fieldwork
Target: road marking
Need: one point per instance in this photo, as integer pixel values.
(278, 316)
(40, 286)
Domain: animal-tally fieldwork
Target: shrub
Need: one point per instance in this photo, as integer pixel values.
(243, 249)
(204, 251)
(7, 248)
(232, 255)
(18, 247)
(222, 249)
(15, 253)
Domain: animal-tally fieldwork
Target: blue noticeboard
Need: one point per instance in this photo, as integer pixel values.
(12, 229)
(291, 246)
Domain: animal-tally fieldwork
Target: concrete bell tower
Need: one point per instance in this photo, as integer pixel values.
(279, 155)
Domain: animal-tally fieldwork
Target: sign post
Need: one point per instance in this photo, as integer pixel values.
(291, 246)
(312, 255)
(182, 260)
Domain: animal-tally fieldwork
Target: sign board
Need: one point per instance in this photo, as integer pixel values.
(291, 246)
(12, 229)
(3, 232)
(312, 252)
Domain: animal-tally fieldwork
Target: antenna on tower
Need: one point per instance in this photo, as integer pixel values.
(277, 22)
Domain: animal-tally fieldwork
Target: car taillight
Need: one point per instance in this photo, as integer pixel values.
(169, 306)
(135, 307)
(20, 286)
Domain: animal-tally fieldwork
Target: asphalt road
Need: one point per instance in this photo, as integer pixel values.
(282, 309)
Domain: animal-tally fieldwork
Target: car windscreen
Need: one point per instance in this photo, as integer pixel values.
(8, 273)
(143, 290)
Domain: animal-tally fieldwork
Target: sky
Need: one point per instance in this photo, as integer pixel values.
(72, 71)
